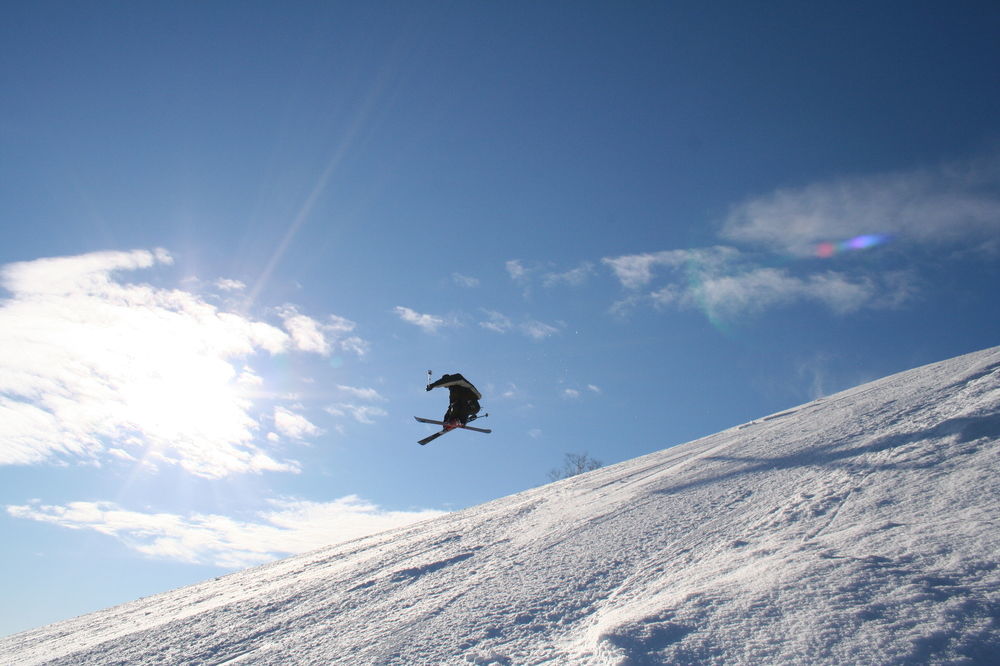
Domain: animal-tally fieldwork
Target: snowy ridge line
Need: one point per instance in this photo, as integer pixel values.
(860, 528)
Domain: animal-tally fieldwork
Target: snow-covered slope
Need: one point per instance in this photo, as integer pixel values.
(860, 528)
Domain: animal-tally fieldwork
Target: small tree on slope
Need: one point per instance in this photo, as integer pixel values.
(573, 464)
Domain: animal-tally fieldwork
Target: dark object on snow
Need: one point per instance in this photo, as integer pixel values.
(463, 401)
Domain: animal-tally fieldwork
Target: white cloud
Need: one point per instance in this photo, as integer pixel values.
(226, 284)
(355, 345)
(956, 206)
(575, 394)
(624, 306)
(637, 270)
(510, 392)
(465, 280)
(524, 275)
(294, 425)
(361, 413)
(120, 453)
(367, 394)
(496, 322)
(337, 329)
(724, 282)
(311, 335)
(538, 330)
(290, 526)
(428, 322)
(95, 367)
(671, 294)
(501, 323)
(756, 290)
(574, 277)
(815, 372)
(74, 275)
(306, 332)
(249, 378)
(338, 325)
(954, 203)
(516, 270)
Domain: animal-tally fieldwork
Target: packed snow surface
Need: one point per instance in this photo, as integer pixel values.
(857, 529)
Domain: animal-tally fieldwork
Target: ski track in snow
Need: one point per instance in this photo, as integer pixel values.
(859, 528)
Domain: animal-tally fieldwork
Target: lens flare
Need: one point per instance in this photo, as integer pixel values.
(828, 249)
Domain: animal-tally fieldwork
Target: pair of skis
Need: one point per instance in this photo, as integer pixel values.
(448, 427)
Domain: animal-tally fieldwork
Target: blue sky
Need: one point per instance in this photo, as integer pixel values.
(237, 235)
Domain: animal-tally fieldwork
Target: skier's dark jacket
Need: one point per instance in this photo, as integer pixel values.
(463, 397)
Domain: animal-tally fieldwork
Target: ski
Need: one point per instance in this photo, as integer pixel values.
(450, 427)
(431, 438)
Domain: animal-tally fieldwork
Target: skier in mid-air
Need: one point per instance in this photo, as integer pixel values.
(463, 404)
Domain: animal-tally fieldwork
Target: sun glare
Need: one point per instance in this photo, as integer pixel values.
(181, 399)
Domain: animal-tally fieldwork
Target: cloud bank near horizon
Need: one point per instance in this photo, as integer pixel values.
(289, 527)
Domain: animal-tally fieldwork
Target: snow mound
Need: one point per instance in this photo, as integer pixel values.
(859, 528)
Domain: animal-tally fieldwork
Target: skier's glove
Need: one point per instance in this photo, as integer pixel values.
(428, 387)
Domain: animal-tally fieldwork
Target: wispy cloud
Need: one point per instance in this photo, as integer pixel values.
(723, 282)
(956, 203)
(465, 280)
(638, 270)
(293, 424)
(756, 290)
(93, 366)
(787, 239)
(361, 413)
(532, 328)
(516, 270)
(496, 322)
(367, 394)
(526, 275)
(538, 330)
(428, 322)
(226, 284)
(573, 277)
(306, 332)
(577, 393)
(321, 338)
(290, 526)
